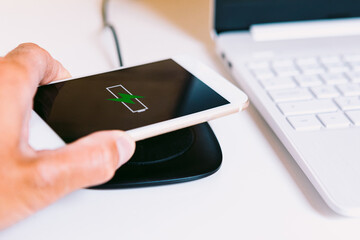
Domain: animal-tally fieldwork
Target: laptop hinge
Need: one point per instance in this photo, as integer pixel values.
(305, 29)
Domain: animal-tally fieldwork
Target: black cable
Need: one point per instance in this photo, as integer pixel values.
(112, 29)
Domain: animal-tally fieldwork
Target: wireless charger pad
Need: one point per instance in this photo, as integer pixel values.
(184, 155)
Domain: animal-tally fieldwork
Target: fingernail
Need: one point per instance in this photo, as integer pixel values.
(126, 148)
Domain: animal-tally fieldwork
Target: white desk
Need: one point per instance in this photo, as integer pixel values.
(259, 192)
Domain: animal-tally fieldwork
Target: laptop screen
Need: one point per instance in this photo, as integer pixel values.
(232, 15)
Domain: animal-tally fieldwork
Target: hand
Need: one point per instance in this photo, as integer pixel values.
(31, 180)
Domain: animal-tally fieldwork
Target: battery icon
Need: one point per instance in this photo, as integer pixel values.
(129, 100)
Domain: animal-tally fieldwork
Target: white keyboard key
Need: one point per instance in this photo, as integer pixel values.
(350, 89)
(352, 57)
(308, 80)
(354, 76)
(278, 83)
(334, 120)
(286, 71)
(263, 73)
(287, 95)
(354, 117)
(355, 66)
(303, 123)
(258, 65)
(336, 67)
(307, 107)
(330, 59)
(312, 69)
(348, 103)
(325, 91)
(283, 63)
(334, 78)
(307, 61)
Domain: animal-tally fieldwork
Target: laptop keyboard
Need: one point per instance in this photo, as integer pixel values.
(313, 93)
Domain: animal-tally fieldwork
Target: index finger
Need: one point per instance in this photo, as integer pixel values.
(21, 71)
(40, 66)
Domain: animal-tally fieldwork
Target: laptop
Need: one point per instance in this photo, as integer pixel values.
(299, 63)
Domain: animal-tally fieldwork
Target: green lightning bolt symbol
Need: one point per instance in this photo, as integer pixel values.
(126, 98)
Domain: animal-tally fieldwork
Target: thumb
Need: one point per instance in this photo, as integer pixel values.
(88, 161)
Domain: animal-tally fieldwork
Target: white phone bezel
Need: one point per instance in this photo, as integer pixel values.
(41, 136)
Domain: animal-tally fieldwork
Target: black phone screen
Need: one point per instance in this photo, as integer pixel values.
(123, 99)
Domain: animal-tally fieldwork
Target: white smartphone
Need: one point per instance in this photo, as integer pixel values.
(145, 101)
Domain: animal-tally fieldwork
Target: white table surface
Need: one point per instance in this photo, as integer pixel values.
(259, 192)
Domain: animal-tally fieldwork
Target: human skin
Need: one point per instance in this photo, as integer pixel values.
(31, 180)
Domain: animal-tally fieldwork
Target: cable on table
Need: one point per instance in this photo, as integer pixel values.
(107, 24)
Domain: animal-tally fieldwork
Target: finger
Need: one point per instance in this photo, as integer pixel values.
(89, 161)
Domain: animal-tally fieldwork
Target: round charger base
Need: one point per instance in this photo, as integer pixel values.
(180, 156)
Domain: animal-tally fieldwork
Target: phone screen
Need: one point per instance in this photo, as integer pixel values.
(123, 99)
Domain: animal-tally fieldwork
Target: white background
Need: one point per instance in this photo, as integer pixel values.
(259, 192)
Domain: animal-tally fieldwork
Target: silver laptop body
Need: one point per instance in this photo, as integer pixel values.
(299, 63)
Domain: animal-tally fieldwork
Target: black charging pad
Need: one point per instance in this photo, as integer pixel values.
(183, 155)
